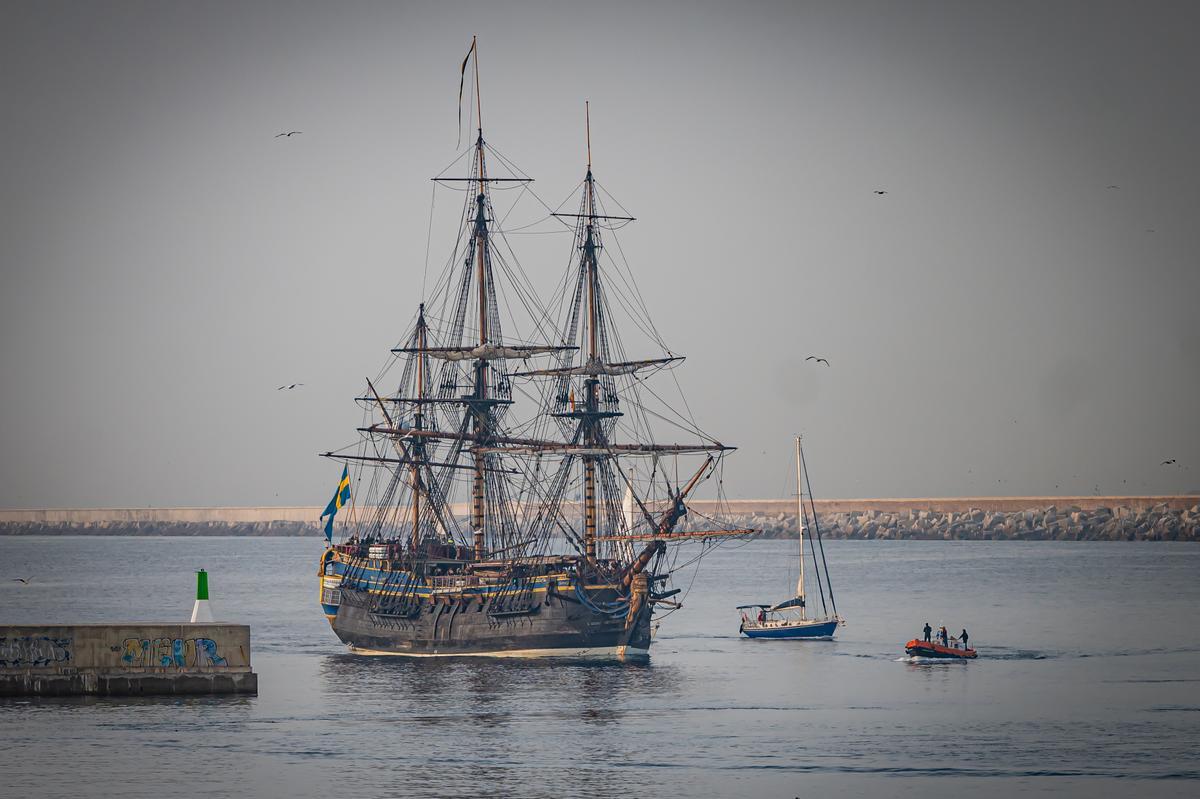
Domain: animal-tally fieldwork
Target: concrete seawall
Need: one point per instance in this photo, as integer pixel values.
(125, 659)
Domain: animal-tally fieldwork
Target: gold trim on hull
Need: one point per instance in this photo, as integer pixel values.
(595, 652)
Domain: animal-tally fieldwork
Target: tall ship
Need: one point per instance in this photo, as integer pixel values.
(509, 492)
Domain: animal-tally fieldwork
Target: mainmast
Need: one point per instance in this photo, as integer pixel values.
(479, 410)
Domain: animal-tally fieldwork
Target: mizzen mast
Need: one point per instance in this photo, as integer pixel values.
(418, 443)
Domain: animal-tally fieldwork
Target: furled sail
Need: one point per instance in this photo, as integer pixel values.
(484, 352)
(596, 368)
(629, 516)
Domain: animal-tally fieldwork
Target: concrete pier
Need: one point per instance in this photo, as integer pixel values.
(125, 659)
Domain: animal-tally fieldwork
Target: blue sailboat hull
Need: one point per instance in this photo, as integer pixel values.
(807, 629)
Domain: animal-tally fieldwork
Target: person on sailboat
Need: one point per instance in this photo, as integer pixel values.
(928, 632)
(964, 638)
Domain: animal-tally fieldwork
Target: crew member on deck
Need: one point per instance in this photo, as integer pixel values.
(964, 638)
(928, 632)
(945, 636)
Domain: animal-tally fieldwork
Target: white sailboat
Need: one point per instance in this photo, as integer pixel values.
(789, 618)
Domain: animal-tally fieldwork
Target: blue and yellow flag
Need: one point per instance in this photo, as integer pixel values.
(340, 497)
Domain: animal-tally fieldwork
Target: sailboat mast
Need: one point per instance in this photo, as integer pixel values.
(800, 518)
(592, 384)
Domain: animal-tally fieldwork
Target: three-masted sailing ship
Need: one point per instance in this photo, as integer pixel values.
(510, 495)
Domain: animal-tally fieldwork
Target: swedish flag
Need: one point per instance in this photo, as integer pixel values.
(340, 497)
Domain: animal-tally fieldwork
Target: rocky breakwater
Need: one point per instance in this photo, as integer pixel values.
(277, 527)
(262, 521)
(1051, 523)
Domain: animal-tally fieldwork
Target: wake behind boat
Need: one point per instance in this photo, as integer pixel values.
(789, 618)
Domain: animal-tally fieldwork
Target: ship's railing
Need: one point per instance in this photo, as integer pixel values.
(454, 581)
(394, 550)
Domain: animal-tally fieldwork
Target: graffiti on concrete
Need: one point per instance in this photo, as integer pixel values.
(30, 650)
(171, 652)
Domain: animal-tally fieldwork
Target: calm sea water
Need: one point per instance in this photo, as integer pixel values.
(1088, 684)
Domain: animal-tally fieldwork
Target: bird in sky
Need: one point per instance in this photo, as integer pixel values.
(289, 388)
(289, 134)
(1112, 186)
(23, 580)
(818, 360)
(881, 191)
(1167, 463)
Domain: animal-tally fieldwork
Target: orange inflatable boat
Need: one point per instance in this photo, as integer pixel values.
(926, 649)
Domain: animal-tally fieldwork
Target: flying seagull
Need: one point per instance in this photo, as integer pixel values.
(880, 191)
(1167, 463)
(289, 134)
(22, 580)
(1112, 186)
(289, 388)
(818, 360)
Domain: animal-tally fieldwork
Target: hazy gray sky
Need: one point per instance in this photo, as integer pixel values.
(999, 323)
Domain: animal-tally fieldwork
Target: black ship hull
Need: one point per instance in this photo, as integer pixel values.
(566, 621)
(562, 631)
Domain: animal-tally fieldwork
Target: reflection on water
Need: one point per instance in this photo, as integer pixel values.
(493, 691)
(1056, 701)
(507, 715)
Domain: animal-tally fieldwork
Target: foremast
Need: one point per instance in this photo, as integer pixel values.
(590, 429)
(590, 418)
